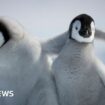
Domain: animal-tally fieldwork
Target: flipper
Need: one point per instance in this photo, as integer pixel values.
(55, 45)
(100, 34)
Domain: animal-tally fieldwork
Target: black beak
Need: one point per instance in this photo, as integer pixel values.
(85, 33)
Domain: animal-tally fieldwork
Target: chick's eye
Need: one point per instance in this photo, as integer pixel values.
(77, 25)
(76, 28)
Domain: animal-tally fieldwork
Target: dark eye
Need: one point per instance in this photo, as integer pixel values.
(76, 28)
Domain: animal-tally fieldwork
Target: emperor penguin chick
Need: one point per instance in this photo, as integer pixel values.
(78, 73)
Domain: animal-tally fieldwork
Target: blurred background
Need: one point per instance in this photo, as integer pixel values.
(48, 18)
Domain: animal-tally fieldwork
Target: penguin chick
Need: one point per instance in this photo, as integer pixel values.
(78, 73)
(24, 68)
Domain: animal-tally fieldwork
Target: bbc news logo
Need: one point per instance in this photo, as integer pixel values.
(6, 93)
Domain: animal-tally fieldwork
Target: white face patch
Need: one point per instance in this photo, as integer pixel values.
(75, 32)
(93, 28)
(2, 40)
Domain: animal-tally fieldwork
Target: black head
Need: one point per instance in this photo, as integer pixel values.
(4, 34)
(82, 28)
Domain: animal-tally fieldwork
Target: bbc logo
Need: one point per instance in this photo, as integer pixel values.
(6, 93)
